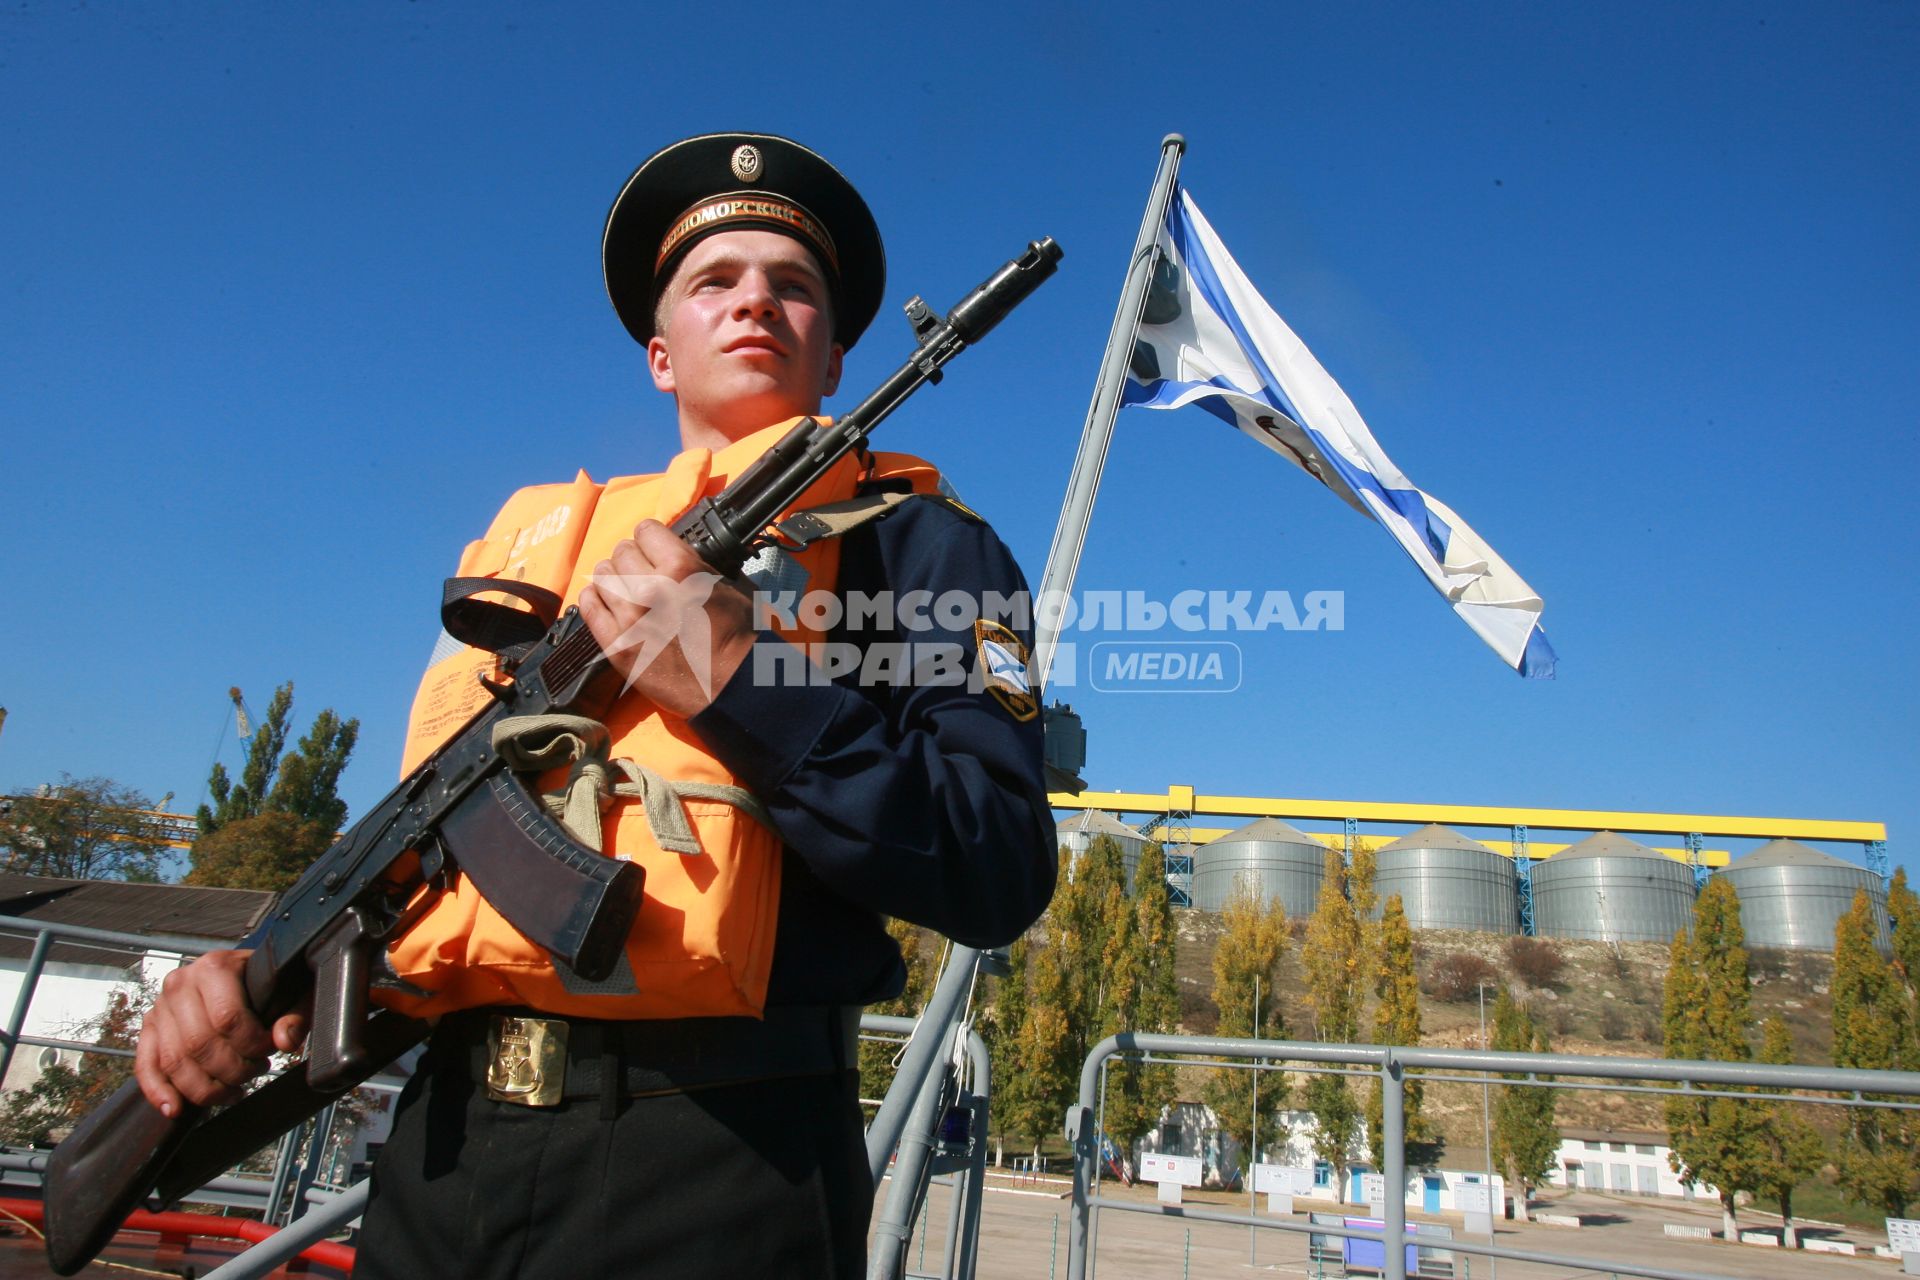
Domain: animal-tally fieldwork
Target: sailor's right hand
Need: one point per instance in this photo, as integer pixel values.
(200, 1043)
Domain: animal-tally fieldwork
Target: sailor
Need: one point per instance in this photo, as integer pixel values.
(696, 1113)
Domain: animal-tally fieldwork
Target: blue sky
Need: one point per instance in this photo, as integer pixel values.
(292, 299)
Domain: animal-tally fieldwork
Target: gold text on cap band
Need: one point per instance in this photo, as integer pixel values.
(748, 207)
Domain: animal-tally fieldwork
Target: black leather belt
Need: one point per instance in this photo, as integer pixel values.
(532, 1059)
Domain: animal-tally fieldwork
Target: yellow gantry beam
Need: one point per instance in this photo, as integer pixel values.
(1186, 799)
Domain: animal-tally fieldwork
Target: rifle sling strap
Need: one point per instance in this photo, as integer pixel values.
(534, 744)
(833, 519)
(490, 625)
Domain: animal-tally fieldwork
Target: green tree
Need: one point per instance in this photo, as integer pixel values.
(1119, 986)
(1707, 1005)
(1050, 1069)
(1142, 970)
(1874, 1028)
(1246, 964)
(1097, 922)
(1000, 1027)
(1361, 874)
(263, 831)
(1335, 964)
(81, 829)
(1903, 909)
(1070, 993)
(266, 851)
(917, 951)
(1525, 1135)
(1396, 1021)
(309, 779)
(1791, 1150)
(232, 801)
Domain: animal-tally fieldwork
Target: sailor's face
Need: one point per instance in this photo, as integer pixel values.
(747, 338)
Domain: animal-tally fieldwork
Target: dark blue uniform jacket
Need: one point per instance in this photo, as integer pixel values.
(926, 802)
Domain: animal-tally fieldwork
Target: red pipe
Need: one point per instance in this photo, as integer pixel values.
(212, 1226)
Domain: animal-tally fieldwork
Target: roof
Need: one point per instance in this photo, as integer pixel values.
(1272, 830)
(1606, 844)
(1790, 853)
(177, 910)
(1435, 836)
(1650, 1137)
(1095, 822)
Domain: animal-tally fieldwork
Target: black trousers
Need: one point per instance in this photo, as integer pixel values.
(765, 1178)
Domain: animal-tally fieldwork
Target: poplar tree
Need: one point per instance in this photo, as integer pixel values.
(233, 801)
(1361, 873)
(1396, 1021)
(1152, 1087)
(1791, 1151)
(1903, 910)
(1001, 1030)
(1122, 982)
(1334, 961)
(1049, 1068)
(263, 831)
(1874, 1028)
(1525, 1136)
(1081, 921)
(1068, 997)
(1245, 967)
(1707, 1005)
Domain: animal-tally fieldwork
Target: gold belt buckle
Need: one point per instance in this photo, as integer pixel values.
(526, 1060)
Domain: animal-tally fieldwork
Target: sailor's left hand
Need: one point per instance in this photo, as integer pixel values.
(675, 629)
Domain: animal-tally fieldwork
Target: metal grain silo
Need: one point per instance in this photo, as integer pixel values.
(1285, 862)
(1793, 896)
(1446, 881)
(1612, 889)
(1077, 833)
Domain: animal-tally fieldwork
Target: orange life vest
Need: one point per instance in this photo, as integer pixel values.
(702, 944)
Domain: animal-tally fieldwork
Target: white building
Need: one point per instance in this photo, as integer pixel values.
(1190, 1129)
(1622, 1161)
(79, 978)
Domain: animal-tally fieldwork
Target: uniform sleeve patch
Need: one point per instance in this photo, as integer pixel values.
(1002, 666)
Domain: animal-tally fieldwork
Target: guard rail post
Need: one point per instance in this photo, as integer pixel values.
(943, 1009)
(898, 1212)
(975, 1181)
(1393, 1132)
(28, 981)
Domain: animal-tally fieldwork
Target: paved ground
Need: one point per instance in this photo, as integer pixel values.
(1024, 1237)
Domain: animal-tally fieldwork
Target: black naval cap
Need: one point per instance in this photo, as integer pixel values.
(731, 181)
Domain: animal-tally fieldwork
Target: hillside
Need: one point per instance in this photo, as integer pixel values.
(1605, 1000)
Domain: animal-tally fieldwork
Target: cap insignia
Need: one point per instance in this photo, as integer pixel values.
(746, 162)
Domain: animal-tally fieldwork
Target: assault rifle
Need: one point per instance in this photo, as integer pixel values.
(462, 811)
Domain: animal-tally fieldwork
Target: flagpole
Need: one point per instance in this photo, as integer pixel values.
(1070, 535)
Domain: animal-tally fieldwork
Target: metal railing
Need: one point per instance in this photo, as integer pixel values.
(943, 1067)
(1391, 1065)
(44, 934)
(293, 1190)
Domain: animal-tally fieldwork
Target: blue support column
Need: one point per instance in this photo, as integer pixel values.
(1694, 843)
(1523, 877)
(1353, 838)
(1877, 860)
(1176, 843)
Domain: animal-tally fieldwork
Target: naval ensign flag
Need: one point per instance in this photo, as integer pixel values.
(1206, 338)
